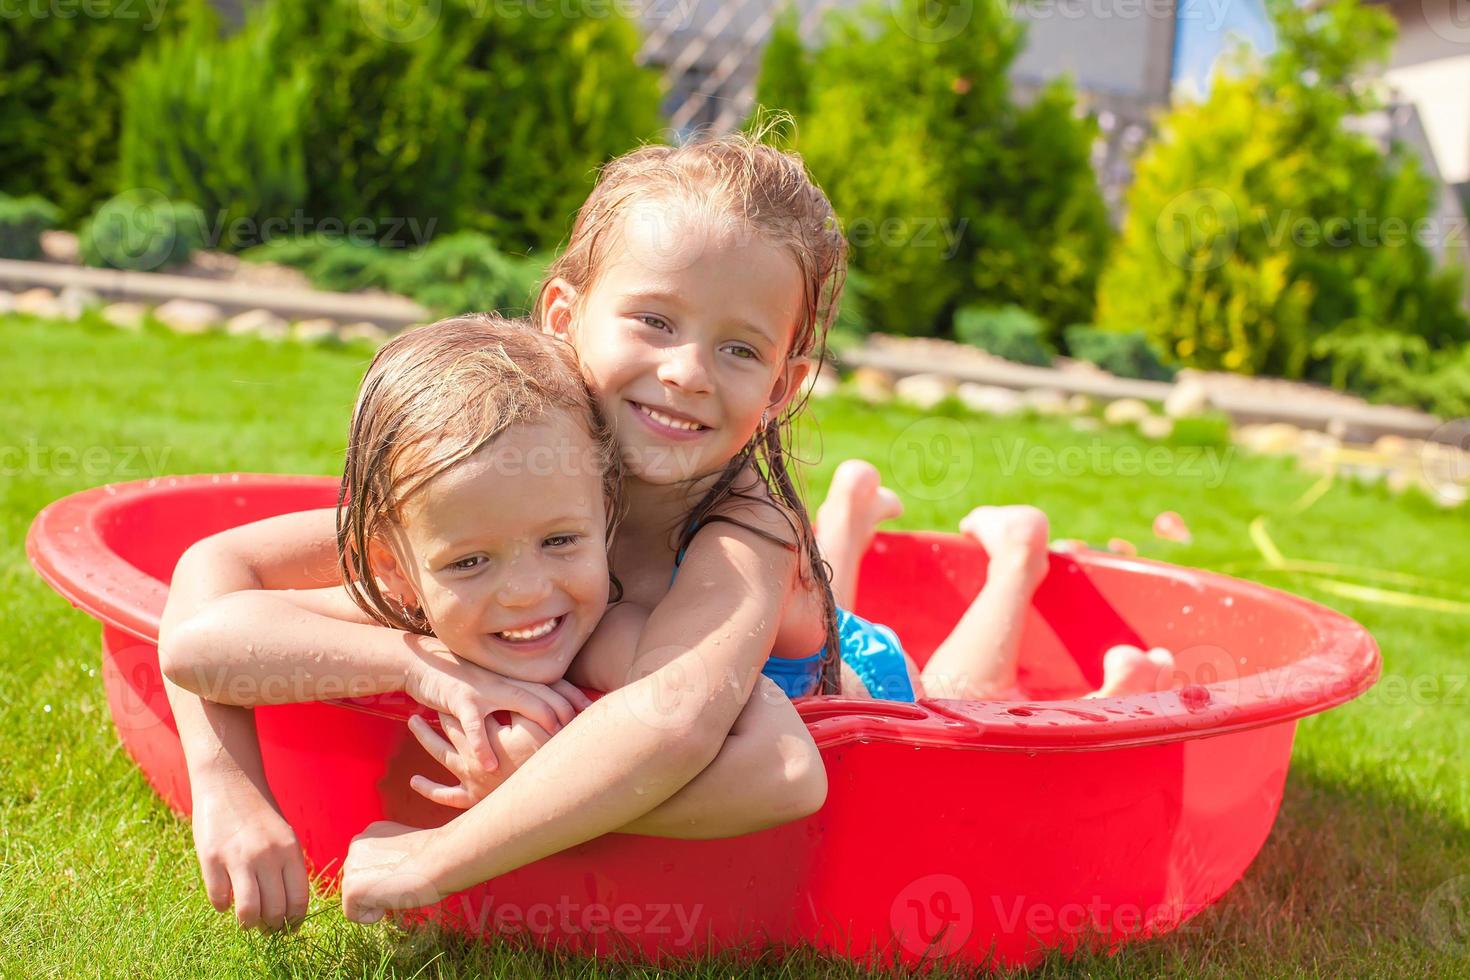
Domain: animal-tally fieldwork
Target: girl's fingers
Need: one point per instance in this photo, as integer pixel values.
(272, 898)
(434, 743)
(535, 701)
(473, 740)
(247, 897)
(298, 890)
(216, 885)
(455, 796)
(562, 709)
(573, 694)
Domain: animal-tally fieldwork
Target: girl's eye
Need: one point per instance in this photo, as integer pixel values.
(744, 353)
(561, 540)
(466, 564)
(652, 320)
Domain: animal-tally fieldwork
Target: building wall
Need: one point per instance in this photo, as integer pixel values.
(1430, 67)
(1111, 47)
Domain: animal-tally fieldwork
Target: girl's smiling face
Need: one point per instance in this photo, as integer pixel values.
(684, 336)
(507, 551)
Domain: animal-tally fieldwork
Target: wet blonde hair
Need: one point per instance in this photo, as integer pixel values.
(744, 186)
(432, 398)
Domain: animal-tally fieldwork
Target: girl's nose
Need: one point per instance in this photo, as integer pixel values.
(525, 584)
(683, 367)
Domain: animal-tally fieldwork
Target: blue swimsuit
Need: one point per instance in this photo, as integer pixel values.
(872, 650)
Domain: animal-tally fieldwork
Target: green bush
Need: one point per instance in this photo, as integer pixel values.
(216, 122)
(60, 95)
(338, 264)
(466, 273)
(142, 231)
(345, 266)
(1258, 221)
(1008, 332)
(390, 134)
(469, 115)
(785, 77)
(1128, 355)
(22, 219)
(460, 273)
(952, 194)
(302, 252)
(1401, 369)
(853, 324)
(466, 116)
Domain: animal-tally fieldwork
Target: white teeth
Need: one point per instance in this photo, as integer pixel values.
(669, 420)
(533, 632)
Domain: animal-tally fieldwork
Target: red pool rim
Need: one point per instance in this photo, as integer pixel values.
(68, 547)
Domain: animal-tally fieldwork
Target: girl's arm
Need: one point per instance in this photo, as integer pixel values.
(702, 651)
(258, 647)
(767, 772)
(248, 854)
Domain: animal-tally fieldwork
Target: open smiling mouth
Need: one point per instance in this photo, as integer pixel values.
(533, 633)
(664, 420)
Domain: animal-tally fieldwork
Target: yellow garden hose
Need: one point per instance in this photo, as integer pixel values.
(1337, 578)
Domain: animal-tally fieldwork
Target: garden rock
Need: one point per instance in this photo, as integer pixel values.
(923, 390)
(363, 330)
(315, 331)
(257, 323)
(76, 300)
(1189, 397)
(125, 316)
(1046, 401)
(187, 316)
(1079, 405)
(1448, 495)
(1125, 411)
(7, 301)
(61, 246)
(1393, 446)
(38, 302)
(1155, 427)
(1275, 439)
(872, 384)
(989, 399)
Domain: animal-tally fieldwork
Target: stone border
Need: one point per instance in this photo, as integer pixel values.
(392, 313)
(1350, 423)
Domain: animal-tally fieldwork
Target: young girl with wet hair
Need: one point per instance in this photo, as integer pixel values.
(478, 499)
(697, 288)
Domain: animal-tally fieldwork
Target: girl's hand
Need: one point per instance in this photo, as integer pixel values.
(513, 744)
(249, 855)
(382, 872)
(439, 679)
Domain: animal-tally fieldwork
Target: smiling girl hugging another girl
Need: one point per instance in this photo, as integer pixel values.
(696, 289)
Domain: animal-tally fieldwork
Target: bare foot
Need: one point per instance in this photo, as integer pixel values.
(847, 521)
(856, 503)
(1129, 670)
(1014, 537)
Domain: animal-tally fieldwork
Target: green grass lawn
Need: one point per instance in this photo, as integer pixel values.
(1362, 875)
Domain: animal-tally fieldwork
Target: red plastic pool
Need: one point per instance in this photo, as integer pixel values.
(973, 830)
